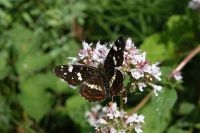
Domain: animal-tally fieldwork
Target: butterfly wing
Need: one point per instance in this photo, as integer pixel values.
(74, 74)
(116, 83)
(114, 59)
(93, 89)
(115, 56)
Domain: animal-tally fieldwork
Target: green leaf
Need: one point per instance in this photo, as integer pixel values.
(58, 85)
(23, 44)
(175, 129)
(4, 68)
(5, 114)
(76, 107)
(32, 62)
(33, 97)
(157, 112)
(186, 108)
(180, 29)
(157, 51)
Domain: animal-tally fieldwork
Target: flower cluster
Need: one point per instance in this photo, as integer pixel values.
(142, 71)
(111, 119)
(194, 4)
(135, 64)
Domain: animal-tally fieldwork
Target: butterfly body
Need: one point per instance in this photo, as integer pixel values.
(97, 83)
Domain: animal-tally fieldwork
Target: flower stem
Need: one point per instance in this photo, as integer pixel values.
(186, 60)
(142, 103)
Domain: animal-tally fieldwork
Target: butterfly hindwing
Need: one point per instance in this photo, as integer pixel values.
(93, 89)
(116, 83)
(74, 74)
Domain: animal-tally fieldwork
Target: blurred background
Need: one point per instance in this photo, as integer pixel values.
(36, 35)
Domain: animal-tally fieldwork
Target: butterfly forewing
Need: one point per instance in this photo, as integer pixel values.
(115, 56)
(93, 89)
(74, 74)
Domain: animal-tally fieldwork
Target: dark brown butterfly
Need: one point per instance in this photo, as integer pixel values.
(97, 83)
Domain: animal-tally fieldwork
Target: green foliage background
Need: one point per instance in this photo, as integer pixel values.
(37, 35)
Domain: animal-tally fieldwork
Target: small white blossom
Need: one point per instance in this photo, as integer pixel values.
(139, 58)
(96, 108)
(141, 86)
(112, 130)
(177, 76)
(85, 51)
(137, 74)
(100, 53)
(129, 44)
(154, 71)
(102, 121)
(138, 129)
(86, 46)
(136, 120)
(132, 118)
(156, 88)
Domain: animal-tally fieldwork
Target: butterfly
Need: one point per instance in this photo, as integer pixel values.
(97, 83)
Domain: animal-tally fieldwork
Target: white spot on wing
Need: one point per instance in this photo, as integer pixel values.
(112, 79)
(115, 48)
(79, 76)
(114, 59)
(92, 86)
(70, 68)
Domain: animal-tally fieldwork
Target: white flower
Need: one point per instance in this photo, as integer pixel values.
(177, 76)
(140, 119)
(153, 70)
(134, 118)
(131, 119)
(156, 88)
(129, 44)
(141, 85)
(86, 46)
(136, 73)
(102, 121)
(139, 58)
(138, 129)
(112, 130)
(86, 51)
(110, 115)
(96, 108)
(100, 53)
(91, 119)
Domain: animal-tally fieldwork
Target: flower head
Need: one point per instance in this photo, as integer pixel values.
(110, 118)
